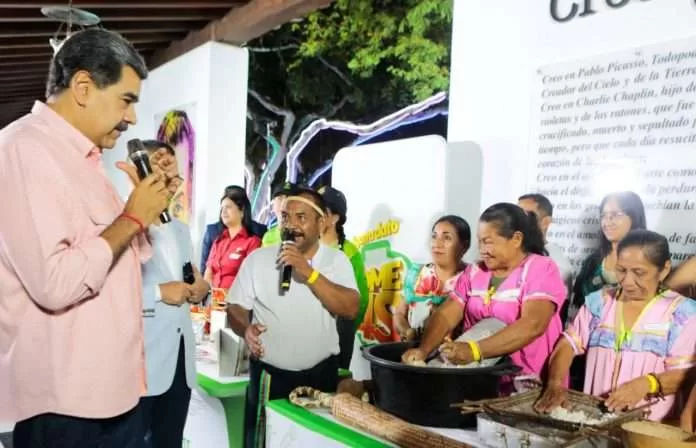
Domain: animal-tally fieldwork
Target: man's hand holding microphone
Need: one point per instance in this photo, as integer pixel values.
(145, 205)
(150, 195)
(148, 200)
(192, 290)
(176, 293)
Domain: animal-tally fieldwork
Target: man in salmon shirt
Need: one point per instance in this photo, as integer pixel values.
(71, 338)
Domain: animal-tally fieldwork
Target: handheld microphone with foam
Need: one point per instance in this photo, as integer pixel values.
(141, 159)
(288, 238)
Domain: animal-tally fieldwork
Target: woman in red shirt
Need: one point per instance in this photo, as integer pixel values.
(235, 243)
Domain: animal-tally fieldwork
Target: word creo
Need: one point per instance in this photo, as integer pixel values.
(566, 10)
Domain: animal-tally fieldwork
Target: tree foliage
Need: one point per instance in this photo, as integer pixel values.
(402, 42)
(357, 60)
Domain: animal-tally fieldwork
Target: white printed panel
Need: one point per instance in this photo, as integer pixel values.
(622, 121)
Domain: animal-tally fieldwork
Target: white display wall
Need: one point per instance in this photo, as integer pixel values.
(211, 81)
(409, 182)
(396, 190)
(521, 78)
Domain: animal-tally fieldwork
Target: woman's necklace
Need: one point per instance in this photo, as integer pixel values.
(624, 335)
(495, 282)
(489, 295)
(493, 287)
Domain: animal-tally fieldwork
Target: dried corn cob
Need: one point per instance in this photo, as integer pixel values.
(366, 417)
(363, 415)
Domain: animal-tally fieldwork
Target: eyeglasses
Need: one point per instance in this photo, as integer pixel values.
(612, 216)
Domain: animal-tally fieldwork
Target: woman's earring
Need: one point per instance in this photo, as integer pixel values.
(661, 287)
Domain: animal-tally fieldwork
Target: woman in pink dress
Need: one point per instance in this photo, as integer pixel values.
(639, 337)
(514, 282)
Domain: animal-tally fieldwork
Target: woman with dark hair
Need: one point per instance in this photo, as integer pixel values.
(427, 286)
(619, 213)
(515, 283)
(213, 231)
(236, 241)
(639, 337)
(333, 235)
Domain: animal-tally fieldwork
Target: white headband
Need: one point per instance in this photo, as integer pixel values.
(306, 201)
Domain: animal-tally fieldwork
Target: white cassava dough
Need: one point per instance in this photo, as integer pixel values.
(568, 415)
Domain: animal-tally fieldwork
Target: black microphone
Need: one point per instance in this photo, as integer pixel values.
(141, 159)
(288, 238)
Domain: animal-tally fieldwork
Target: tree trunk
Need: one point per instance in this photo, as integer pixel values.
(261, 200)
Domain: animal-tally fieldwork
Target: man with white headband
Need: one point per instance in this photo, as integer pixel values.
(292, 339)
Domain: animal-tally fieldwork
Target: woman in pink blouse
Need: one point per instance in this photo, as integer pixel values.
(639, 337)
(514, 282)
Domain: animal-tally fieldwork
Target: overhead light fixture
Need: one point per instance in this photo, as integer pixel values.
(68, 17)
(56, 43)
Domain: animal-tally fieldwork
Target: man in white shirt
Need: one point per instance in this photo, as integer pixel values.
(169, 341)
(542, 207)
(292, 339)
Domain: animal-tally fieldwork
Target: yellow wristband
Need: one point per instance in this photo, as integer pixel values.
(475, 350)
(654, 384)
(313, 277)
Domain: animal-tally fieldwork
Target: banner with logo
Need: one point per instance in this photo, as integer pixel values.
(403, 188)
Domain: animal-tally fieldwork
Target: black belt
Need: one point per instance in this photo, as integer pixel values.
(272, 370)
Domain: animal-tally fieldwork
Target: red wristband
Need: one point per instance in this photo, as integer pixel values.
(135, 219)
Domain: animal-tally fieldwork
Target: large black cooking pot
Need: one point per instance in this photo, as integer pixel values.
(423, 395)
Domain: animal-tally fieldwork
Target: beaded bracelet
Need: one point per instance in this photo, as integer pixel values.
(135, 219)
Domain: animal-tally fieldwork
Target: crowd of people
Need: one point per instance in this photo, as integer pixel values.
(97, 347)
(623, 332)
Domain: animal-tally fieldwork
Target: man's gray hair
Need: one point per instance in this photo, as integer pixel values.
(100, 52)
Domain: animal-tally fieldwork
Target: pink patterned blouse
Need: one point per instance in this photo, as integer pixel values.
(662, 338)
(536, 278)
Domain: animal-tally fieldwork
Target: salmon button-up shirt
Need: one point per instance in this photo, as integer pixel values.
(71, 339)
